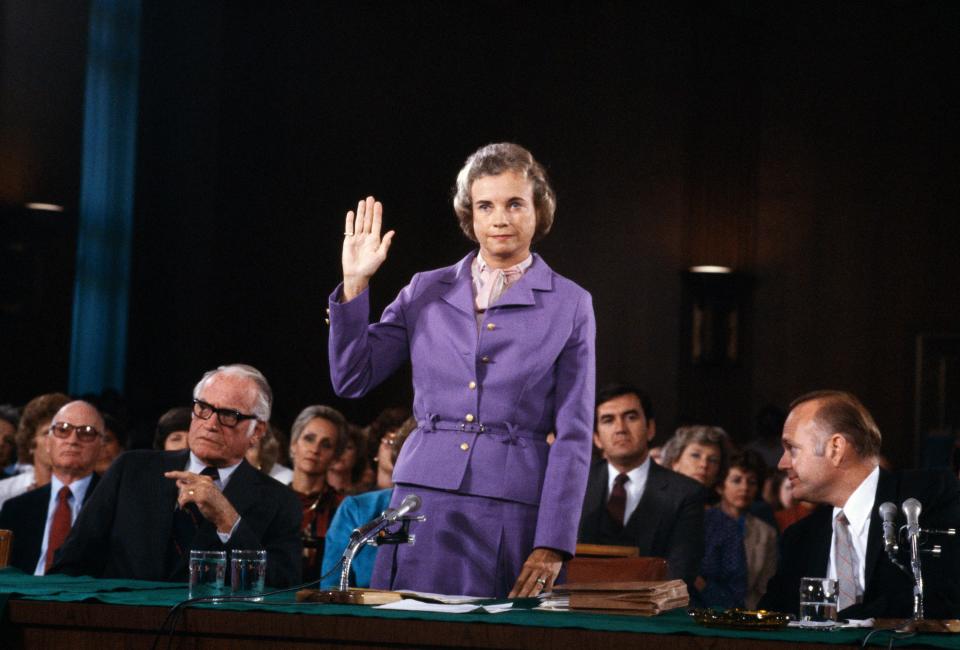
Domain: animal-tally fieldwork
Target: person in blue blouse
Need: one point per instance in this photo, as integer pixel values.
(357, 510)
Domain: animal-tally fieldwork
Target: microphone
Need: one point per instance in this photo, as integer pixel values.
(410, 503)
(911, 510)
(888, 511)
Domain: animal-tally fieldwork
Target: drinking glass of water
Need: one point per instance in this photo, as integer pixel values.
(207, 572)
(818, 602)
(248, 573)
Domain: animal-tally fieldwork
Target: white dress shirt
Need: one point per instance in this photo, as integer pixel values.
(634, 487)
(858, 509)
(78, 490)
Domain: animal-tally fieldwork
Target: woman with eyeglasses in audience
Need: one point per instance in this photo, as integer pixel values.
(348, 473)
(317, 437)
(361, 508)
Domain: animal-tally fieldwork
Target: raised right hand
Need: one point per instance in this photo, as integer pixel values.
(363, 249)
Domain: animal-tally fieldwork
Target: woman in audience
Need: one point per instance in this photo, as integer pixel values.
(113, 443)
(173, 427)
(317, 438)
(265, 453)
(741, 550)
(346, 474)
(699, 452)
(791, 511)
(358, 510)
(389, 421)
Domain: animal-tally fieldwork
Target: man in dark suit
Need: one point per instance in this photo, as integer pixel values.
(40, 519)
(153, 507)
(632, 501)
(831, 450)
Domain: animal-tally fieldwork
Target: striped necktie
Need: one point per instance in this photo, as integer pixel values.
(846, 562)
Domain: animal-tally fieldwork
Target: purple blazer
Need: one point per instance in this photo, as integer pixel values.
(485, 402)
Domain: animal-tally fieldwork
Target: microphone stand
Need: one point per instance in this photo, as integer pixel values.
(376, 536)
(917, 579)
(918, 623)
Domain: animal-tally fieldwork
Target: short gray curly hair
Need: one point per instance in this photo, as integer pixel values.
(493, 160)
(699, 434)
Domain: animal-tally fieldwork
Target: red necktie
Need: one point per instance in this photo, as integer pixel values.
(617, 503)
(60, 527)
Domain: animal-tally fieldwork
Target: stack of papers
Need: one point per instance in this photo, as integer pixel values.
(411, 605)
(641, 598)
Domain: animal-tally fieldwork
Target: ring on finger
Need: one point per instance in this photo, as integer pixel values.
(191, 492)
(348, 234)
(542, 582)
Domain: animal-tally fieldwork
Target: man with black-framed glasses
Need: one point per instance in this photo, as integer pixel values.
(42, 518)
(154, 507)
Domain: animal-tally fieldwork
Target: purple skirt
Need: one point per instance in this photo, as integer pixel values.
(469, 545)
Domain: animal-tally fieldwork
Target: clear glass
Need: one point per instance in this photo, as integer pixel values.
(207, 572)
(248, 573)
(818, 602)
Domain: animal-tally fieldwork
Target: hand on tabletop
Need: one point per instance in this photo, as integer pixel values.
(538, 573)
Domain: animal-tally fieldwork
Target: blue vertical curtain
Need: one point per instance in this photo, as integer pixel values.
(105, 229)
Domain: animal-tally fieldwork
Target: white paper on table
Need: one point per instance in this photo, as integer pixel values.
(442, 598)
(833, 625)
(411, 605)
(498, 608)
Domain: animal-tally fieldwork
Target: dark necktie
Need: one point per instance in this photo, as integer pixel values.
(187, 520)
(617, 503)
(60, 526)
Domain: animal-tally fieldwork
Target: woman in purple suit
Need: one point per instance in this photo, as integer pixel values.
(502, 350)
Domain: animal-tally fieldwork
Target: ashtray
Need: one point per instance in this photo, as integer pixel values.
(740, 619)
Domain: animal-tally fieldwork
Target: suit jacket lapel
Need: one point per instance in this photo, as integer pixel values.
(595, 501)
(886, 491)
(165, 498)
(460, 293)
(539, 277)
(818, 556)
(645, 519)
(243, 489)
(94, 479)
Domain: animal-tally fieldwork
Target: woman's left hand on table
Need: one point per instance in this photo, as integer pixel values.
(538, 573)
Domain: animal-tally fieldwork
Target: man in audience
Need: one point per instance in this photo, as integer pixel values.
(632, 501)
(9, 418)
(40, 519)
(831, 449)
(153, 507)
(31, 431)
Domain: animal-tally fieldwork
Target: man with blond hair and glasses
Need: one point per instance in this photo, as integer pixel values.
(153, 507)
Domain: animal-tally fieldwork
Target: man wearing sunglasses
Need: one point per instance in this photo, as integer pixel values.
(42, 518)
(153, 507)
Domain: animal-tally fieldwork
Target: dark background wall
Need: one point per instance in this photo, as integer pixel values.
(811, 146)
